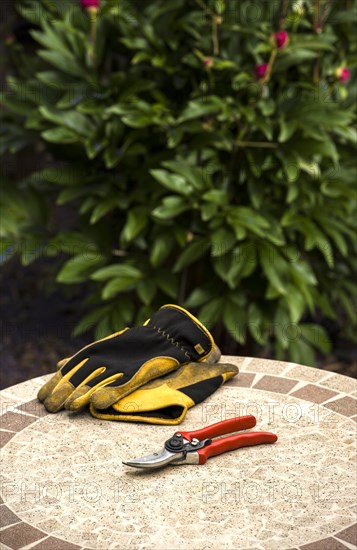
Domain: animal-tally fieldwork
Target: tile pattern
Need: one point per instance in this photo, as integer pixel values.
(349, 534)
(7, 517)
(33, 407)
(15, 422)
(344, 405)
(20, 535)
(244, 380)
(5, 437)
(325, 544)
(313, 393)
(64, 487)
(340, 383)
(52, 543)
(275, 384)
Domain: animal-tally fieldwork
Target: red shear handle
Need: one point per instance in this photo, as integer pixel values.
(221, 428)
(232, 442)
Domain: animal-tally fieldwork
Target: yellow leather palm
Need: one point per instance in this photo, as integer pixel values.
(167, 399)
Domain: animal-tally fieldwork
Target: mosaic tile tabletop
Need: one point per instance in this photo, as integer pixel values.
(64, 486)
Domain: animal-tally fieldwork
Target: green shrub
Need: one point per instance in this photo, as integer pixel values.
(189, 178)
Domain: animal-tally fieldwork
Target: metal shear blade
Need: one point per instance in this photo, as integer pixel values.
(155, 460)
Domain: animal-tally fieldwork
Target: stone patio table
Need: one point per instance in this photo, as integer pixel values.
(64, 486)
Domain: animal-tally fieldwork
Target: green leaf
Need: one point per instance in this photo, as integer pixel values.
(76, 122)
(117, 271)
(323, 302)
(303, 277)
(208, 211)
(136, 43)
(211, 312)
(241, 216)
(292, 57)
(136, 222)
(172, 181)
(222, 264)
(319, 42)
(146, 290)
(222, 241)
(104, 328)
(63, 175)
(101, 210)
(193, 175)
(171, 207)
(332, 228)
(191, 254)
(308, 148)
(201, 107)
(32, 248)
(301, 352)
(281, 325)
(161, 249)
(315, 238)
(217, 196)
(59, 135)
(79, 268)
(274, 267)
(295, 302)
(70, 194)
(234, 319)
(200, 296)
(174, 137)
(119, 284)
(244, 262)
(116, 315)
(65, 63)
(317, 336)
(50, 39)
(287, 129)
(90, 320)
(167, 282)
(255, 322)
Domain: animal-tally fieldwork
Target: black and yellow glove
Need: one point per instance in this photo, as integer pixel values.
(166, 400)
(107, 370)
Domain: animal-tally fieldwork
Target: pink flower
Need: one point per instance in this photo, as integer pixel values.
(90, 4)
(208, 62)
(260, 70)
(343, 74)
(281, 39)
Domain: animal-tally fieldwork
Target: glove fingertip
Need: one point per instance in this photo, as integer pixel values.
(229, 371)
(105, 397)
(62, 362)
(79, 399)
(48, 388)
(230, 367)
(55, 402)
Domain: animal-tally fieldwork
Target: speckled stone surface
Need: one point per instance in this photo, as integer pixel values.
(64, 486)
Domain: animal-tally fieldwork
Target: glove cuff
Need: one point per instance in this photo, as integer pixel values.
(171, 411)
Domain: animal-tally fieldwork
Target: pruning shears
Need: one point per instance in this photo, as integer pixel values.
(197, 446)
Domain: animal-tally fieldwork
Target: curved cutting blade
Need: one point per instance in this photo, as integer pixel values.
(156, 460)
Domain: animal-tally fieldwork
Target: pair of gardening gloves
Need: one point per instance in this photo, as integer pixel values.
(153, 373)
